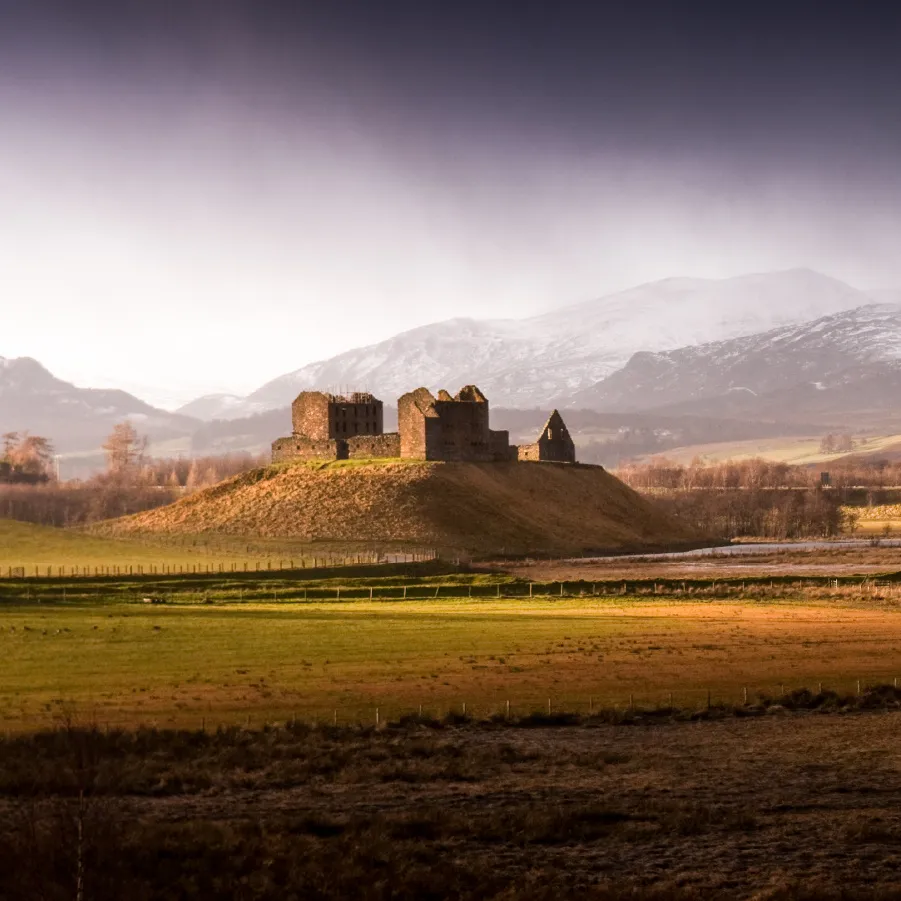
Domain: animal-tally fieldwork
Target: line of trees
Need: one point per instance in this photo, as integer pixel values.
(131, 483)
(779, 515)
(764, 499)
(666, 475)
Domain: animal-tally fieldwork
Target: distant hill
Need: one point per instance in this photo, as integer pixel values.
(532, 362)
(33, 399)
(843, 368)
(482, 509)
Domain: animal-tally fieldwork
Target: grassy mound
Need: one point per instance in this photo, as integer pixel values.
(482, 509)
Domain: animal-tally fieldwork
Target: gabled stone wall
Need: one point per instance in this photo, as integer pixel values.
(554, 444)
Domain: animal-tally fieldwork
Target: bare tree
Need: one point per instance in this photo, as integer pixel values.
(27, 455)
(10, 440)
(125, 449)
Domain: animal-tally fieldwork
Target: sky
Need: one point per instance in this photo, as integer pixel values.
(200, 195)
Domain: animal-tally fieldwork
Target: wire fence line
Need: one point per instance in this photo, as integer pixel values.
(209, 588)
(873, 692)
(273, 564)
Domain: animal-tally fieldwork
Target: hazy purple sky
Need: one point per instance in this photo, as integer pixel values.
(200, 196)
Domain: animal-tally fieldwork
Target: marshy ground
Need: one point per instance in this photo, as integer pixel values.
(779, 805)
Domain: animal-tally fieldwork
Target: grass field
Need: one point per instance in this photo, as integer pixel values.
(796, 450)
(130, 664)
(29, 546)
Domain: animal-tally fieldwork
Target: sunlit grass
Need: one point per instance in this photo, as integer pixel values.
(133, 664)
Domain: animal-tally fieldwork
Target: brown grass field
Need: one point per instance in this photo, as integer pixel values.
(467, 507)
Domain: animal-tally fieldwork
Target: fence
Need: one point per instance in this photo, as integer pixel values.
(281, 564)
(284, 586)
(873, 692)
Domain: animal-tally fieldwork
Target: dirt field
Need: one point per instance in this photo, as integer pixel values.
(784, 806)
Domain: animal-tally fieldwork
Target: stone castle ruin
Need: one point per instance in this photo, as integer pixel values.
(453, 429)
(553, 444)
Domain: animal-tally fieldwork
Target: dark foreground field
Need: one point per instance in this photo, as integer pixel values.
(779, 805)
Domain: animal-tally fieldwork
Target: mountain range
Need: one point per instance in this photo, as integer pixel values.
(793, 350)
(34, 400)
(819, 366)
(539, 360)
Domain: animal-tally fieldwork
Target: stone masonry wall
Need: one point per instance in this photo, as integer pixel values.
(528, 452)
(310, 415)
(464, 430)
(501, 448)
(358, 414)
(321, 416)
(411, 424)
(293, 448)
(377, 446)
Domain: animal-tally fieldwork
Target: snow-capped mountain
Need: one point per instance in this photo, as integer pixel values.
(532, 362)
(784, 372)
(33, 399)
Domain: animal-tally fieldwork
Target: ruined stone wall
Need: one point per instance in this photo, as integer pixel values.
(557, 451)
(418, 434)
(555, 441)
(464, 430)
(310, 416)
(359, 414)
(554, 444)
(321, 416)
(500, 446)
(449, 428)
(363, 446)
(295, 448)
